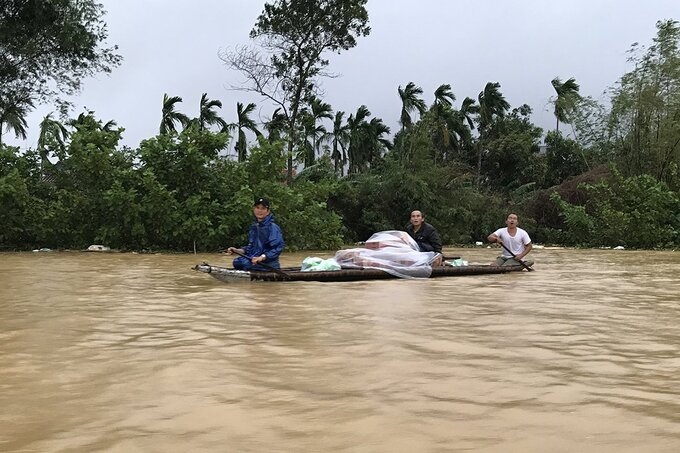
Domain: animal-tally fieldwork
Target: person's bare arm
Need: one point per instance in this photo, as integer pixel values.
(527, 249)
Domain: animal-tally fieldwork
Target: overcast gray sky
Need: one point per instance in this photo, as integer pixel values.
(171, 46)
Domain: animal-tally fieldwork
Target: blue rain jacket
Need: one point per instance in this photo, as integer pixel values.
(263, 237)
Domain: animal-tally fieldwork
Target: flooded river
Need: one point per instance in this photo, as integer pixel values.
(127, 353)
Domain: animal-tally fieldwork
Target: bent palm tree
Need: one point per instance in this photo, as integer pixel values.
(566, 99)
(492, 104)
(209, 117)
(410, 102)
(446, 122)
(443, 96)
(52, 134)
(467, 109)
(339, 138)
(377, 144)
(13, 111)
(243, 123)
(276, 126)
(357, 124)
(366, 141)
(319, 111)
(109, 126)
(170, 116)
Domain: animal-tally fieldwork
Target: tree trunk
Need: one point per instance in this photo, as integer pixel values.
(289, 173)
(479, 164)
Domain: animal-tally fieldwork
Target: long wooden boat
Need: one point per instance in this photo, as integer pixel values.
(344, 275)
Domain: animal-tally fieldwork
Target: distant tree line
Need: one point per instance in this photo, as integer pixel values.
(335, 177)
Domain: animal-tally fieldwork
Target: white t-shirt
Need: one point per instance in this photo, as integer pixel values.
(515, 243)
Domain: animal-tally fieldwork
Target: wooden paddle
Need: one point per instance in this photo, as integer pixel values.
(275, 269)
(515, 257)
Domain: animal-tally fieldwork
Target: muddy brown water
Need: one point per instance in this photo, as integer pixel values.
(125, 352)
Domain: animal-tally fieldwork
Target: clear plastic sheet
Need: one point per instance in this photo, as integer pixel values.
(394, 252)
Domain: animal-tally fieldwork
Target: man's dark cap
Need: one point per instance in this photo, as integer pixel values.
(263, 201)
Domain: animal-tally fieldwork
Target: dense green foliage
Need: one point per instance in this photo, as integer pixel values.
(465, 165)
(171, 192)
(47, 48)
(645, 116)
(637, 211)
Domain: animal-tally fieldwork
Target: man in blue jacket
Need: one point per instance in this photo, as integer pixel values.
(265, 241)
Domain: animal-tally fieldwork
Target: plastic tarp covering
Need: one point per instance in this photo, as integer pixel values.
(316, 264)
(394, 252)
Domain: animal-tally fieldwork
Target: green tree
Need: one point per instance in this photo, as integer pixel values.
(170, 116)
(410, 102)
(511, 160)
(243, 123)
(636, 211)
(566, 100)
(646, 108)
(564, 159)
(294, 36)
(48, 47)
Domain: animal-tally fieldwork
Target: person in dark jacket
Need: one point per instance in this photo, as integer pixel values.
(265, 241)
(423, 233)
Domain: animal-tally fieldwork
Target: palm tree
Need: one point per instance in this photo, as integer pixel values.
(356, 125)
(339, 138)
(52, 133)
(448, 127)
(276, 126)
(366, 139)
(319, 111)
(209, 117)
(492, 105)
(84, 119)
(377, 143)
(566, 100)
(109, 126)
(13, 111)
(243, 123)
(170, 116)
(306, 152)
(312, 132)
(410, 102)
(449, 131)
(467, 109)
(443, 96)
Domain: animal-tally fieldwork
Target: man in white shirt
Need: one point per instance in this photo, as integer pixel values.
(515, 241)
